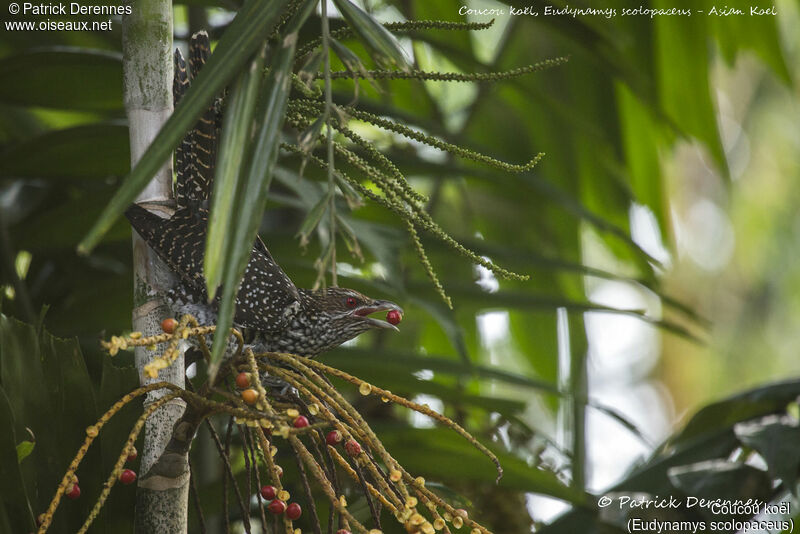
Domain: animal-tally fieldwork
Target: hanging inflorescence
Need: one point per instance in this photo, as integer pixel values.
(311, 111)
(283, 400)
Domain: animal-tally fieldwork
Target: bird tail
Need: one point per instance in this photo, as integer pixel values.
(196, 155)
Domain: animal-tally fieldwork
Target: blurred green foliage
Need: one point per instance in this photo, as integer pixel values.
(633, 88)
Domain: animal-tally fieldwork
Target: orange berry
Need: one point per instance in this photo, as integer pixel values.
(250, 396)
(169, 325)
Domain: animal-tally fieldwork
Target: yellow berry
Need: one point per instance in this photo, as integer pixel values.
(458, 522)
(283, 495)
(411, 502)
(364, 388)
(395, 475)
(292, 412)
(92, 431)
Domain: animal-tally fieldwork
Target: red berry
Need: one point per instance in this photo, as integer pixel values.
(127, 476)
(342, 531)
(300, 422)
(74, 493)
(293, 511)
(277, 507)
(352, 447)
(169, 325)
(394, 316)
(132, 454)
(268, 492)
(243, 380)
(333, 437)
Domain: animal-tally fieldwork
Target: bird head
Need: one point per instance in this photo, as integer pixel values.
(337, 314)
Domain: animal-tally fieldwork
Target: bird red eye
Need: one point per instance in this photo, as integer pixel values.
(351, 302)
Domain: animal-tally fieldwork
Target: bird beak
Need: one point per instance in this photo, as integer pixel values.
(378, 306)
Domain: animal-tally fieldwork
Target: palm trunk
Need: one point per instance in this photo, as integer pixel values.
(162, 498)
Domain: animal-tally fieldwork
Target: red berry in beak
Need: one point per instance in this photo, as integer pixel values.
(394, 317)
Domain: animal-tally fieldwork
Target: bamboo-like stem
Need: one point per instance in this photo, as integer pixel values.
(326, 58)
(147, 65)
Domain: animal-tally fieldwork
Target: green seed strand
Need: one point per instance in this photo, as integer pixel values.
(381, 74)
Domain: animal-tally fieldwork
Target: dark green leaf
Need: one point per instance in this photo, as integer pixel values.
(720, 479)
(684, 76)
(722, 415)
(440, 453)
(775, 438)
(13, 490)
(95, 150)
(236, 133)
(351, 61)
(313, 217)
(254, 180)
(67, 78)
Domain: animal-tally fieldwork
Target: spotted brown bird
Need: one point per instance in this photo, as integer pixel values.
(274, 314)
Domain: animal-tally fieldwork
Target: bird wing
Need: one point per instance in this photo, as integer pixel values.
(266, 294)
